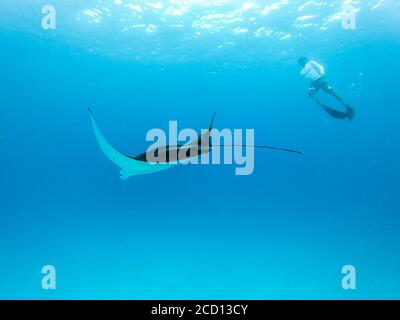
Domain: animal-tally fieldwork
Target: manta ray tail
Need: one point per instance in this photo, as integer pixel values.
(258, 147)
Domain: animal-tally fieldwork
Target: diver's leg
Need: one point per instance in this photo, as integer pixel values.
(329, 89)
(312, 92)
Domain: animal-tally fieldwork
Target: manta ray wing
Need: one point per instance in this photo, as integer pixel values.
(129, 167)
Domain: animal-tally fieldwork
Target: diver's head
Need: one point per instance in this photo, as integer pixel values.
(303, 61)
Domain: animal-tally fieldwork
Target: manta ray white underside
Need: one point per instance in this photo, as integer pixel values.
(129, 167)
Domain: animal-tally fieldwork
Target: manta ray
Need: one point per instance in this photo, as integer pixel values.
(149, 162)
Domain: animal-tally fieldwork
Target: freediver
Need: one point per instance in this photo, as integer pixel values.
(314, 72)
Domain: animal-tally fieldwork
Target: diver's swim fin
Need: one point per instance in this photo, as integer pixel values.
(335, 113)
(350, 112)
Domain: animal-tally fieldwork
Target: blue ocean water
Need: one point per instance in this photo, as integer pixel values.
(198, 232)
